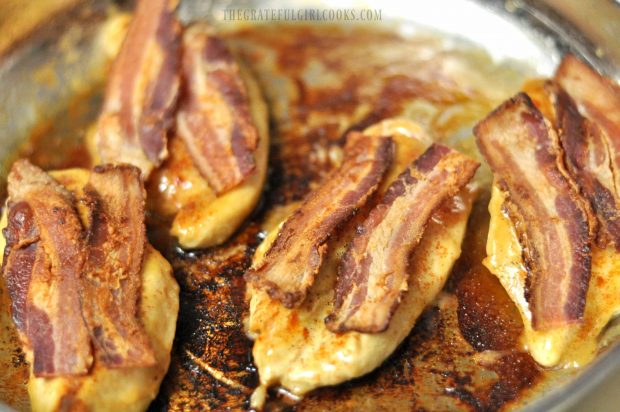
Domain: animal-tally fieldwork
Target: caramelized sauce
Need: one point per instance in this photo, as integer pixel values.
(488, 319)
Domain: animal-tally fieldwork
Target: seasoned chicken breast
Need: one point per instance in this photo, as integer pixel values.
(181, 107)
(115, 389)
(293, 346)
(564, 152)
(201, 217)
(571, 345)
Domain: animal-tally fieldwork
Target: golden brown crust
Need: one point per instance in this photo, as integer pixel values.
(553, 220)
(289, 266)
(373, 273)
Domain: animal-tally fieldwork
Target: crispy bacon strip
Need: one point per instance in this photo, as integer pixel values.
(592, 144)
(287, 271)
(551, 218)
(373, 272)
(214, 116)
(116, 234)
(43, 259)
(588, 158)
(142, 89)
(598, 98)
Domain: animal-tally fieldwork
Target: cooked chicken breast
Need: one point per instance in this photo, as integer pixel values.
(294, 348)
(571, 130)
(181, 107)
(177, 190)
(200, 217)
(106, 389)
(571, 345)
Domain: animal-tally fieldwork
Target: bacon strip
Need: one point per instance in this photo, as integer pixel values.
(142, 89)
(592, 145)
(116, 236)
(551, 218)
(43, 259)
(373, 272)
(287, 271)
(214, 117)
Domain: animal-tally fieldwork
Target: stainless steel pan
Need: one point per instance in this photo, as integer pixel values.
(51, 51)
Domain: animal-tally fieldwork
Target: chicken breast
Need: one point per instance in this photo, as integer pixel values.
(179, 193)
(571, 345)
(578, 107)
(127, 389)
(200, 217)
(294, 347)
(205, 159)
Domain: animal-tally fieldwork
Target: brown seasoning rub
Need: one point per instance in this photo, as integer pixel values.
(373, 273)
(214, 118)
(553, 221)
(43, 261)
(287, 271)
(142, 89)
(116, 239)
(591, 139)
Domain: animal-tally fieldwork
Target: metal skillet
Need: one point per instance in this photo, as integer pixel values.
(43, 77)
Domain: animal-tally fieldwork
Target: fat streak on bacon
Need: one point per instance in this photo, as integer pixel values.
(142, 89)
(287, 271)
(373, 274)
(554, 223)
(214, 118)
(43, 263)
(116, 240)
(587, 109)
